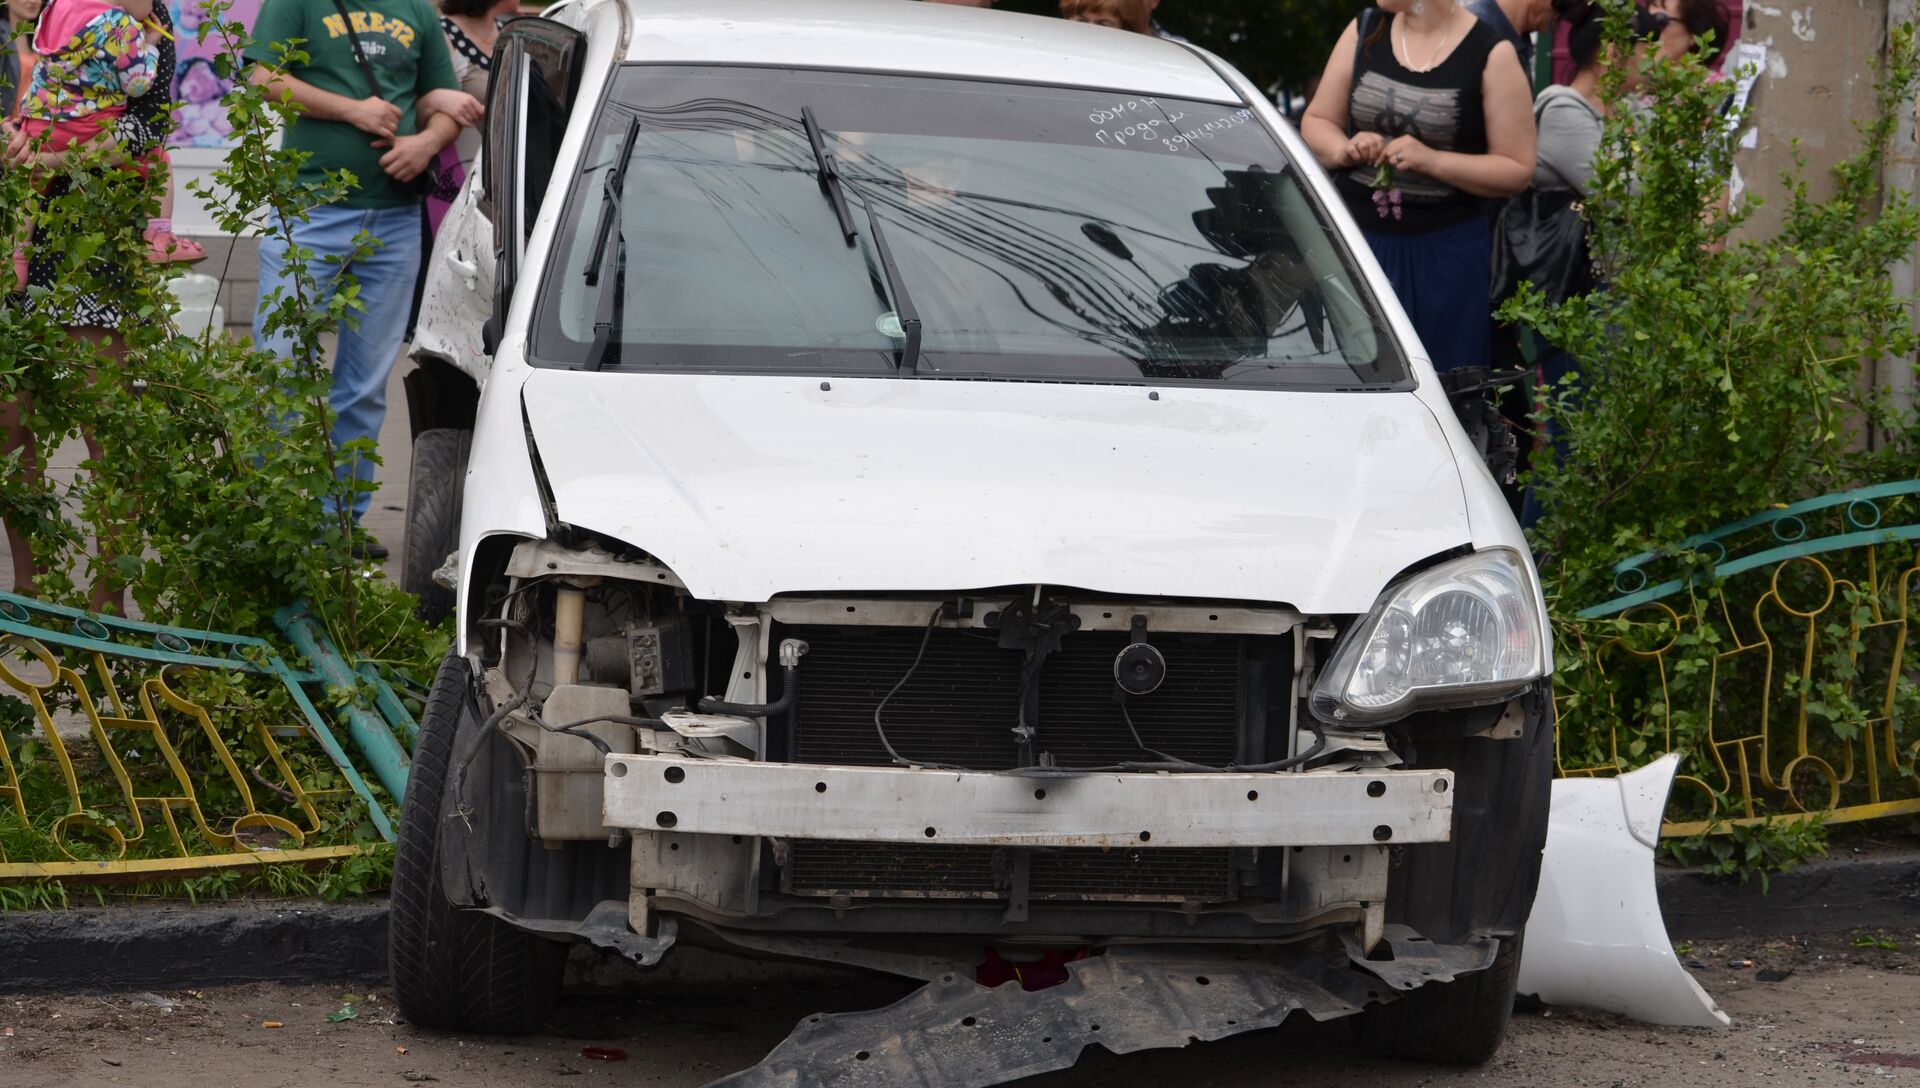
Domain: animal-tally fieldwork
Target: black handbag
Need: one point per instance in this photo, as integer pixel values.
(433, 182)
(1541, 237)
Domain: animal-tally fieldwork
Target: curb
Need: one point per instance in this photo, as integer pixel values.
(218, 944)
(212, 944)
(1832, 896)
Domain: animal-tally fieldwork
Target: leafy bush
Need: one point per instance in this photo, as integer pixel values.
(1719, 376)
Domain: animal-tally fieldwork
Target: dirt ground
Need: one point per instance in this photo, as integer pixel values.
(1846, 1015)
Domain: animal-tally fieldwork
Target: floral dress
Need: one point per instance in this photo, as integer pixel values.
(94, 59)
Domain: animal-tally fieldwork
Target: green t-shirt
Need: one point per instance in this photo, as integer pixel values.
(408, 54)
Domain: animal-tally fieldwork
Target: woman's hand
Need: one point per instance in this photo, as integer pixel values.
(1409, 154)
(1363, 149)
(465, 109)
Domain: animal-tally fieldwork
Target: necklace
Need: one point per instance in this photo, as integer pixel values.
(1432, 57)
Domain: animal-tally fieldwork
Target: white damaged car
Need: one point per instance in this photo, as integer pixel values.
(954, 495)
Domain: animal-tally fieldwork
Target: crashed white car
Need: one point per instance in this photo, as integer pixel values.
(954, 495)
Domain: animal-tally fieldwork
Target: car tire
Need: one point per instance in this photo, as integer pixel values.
(1462, 1022)
(456, 969)
(434, 486)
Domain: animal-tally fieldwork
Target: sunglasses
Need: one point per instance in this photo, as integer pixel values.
(1650, 25)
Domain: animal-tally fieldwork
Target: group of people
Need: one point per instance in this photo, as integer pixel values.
(1425, 115)
(92, 80)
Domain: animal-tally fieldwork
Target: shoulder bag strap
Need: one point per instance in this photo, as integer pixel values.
(359, 54)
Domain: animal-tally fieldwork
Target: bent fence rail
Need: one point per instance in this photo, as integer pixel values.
(131, 750)
(1773, 653)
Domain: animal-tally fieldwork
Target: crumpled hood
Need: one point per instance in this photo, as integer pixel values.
(752, 486)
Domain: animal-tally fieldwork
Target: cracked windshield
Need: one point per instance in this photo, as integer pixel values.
(949, 228)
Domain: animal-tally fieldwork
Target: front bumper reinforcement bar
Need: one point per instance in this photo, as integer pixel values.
(1013, 808)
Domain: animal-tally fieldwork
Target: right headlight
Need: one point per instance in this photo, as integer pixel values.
(1467, 632)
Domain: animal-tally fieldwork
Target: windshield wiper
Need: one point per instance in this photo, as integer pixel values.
(829, 167)
(607, 303)
(834, 186)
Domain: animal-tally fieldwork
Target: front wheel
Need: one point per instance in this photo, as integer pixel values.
(454, 969)
(434, 485)
(1462, 1022)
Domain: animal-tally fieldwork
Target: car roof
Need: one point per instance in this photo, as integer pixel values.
(912, 36)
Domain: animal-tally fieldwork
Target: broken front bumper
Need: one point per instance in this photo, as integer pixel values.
(1041, 808)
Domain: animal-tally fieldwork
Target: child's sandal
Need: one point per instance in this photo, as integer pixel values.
(169, 248)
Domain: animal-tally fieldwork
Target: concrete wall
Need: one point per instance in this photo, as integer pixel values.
(1818, 82)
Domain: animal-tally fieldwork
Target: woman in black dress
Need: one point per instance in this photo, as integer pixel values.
(1423, 114)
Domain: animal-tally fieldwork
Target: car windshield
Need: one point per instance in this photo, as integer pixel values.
(1040, 233)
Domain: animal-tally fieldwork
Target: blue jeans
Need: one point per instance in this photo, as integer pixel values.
(366, 354)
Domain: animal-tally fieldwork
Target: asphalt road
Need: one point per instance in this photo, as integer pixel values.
(1845, 1016)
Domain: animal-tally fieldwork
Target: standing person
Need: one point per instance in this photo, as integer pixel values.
(1422, 114)
(96, 315)
(343, 125)
(1569, 120)
(1682, 23)
(472, 28)
(94, 57)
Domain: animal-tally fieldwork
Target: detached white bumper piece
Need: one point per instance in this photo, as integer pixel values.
(1055, 808)
(1596, 938)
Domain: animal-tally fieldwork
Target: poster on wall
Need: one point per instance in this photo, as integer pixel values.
(199, 112)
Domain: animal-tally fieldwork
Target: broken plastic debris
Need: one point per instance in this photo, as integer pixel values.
(1774, 974)
(1596, 937)
(345, 1012)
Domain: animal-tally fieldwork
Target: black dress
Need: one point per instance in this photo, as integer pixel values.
(140, 131)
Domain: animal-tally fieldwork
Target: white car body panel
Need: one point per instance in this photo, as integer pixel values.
(459, 293)
(753, 485)
(1596, 938)
(938, 39)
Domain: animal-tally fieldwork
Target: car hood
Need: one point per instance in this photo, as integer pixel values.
(751, 486)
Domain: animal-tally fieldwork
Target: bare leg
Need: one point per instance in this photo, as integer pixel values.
(14, 435)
